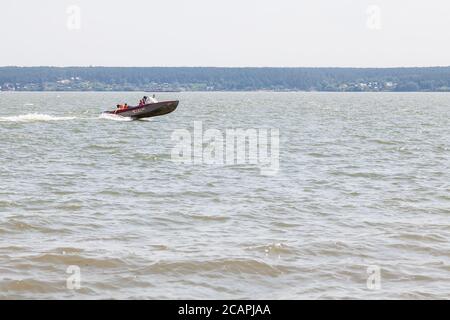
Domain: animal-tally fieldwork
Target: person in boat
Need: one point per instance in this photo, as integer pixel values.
(122, 106)
(141, 103)
(150, 100)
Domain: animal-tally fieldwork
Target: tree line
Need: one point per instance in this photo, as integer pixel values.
(232, 79)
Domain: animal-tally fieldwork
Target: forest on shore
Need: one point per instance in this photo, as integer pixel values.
(158, 79)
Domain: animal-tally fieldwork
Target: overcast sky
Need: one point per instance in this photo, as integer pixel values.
(292, 33)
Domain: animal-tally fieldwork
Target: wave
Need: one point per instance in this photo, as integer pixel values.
(114, 117)
(34, 117)
(232, 266)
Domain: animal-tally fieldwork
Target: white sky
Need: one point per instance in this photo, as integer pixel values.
(291, 33)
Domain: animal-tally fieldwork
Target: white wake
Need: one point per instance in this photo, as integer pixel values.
(34, 117)
(115, 117)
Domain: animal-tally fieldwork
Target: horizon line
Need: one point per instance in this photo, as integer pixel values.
(227, 67)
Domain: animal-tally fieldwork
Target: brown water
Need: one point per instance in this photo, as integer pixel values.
(364, 180)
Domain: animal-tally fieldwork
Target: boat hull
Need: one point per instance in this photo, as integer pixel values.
(148, 110)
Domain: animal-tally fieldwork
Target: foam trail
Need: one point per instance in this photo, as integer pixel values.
(115, 117)
(34, 117)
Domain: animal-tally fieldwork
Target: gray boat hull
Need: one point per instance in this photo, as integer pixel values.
(147, 111)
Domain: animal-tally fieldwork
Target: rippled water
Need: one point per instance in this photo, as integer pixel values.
(364, 181)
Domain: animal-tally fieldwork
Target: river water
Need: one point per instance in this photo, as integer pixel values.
(96, 208)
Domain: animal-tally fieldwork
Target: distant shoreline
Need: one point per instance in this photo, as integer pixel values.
(227, 91)
(216, 79)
